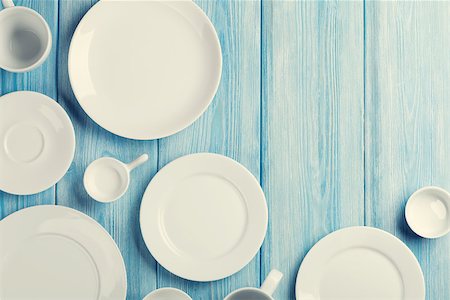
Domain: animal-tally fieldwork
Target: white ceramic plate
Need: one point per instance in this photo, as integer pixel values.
(360, 263)
(145, 69)
(56, 253)
(203, 217)
(37, 143)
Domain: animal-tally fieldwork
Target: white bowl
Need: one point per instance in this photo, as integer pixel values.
(428, 212)
(167, 294)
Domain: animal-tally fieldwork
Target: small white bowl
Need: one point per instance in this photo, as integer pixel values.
(428, 212)
(167, 294)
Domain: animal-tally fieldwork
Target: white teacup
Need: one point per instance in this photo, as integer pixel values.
(26, 39)
(263, 293)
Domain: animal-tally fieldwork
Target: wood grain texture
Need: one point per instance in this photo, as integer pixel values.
(42, 80)
(231, 125)
(340, 109)
(407, 121)
(312, 162)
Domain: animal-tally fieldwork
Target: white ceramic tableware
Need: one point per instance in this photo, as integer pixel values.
(203, 217)
(264, 293)
(107, 179)
(54, 252)
(167, 294)
(361, 263)
(25, 38)
(37, 143)
(427, 212)
(145, 69)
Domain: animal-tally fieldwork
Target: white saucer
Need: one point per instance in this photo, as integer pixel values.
(428, 212)
(37, 143)
(54, 252)
(145, 69)
(362, 263)
(203, 217)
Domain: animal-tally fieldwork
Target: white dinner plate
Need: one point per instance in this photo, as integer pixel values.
(145, 69)
(37, 143)
(57, 253)
(360, 263)
(203, 217)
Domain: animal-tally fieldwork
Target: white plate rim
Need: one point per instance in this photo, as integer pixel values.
(216, 275)
(371, 231)
(63, 114)
(193, 118)
(65, 209)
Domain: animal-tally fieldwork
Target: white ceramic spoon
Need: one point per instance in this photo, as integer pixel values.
(107, 179)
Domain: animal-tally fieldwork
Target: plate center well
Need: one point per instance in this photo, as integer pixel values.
(361, 274)
(49, 267)
(205, 217)
(24, 142)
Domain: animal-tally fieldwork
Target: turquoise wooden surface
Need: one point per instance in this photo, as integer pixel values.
(312, 138)
(340, 109)
(407, 122)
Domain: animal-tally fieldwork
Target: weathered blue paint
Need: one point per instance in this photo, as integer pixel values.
(338, 108)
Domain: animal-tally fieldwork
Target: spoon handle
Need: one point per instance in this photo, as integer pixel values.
(137, 162)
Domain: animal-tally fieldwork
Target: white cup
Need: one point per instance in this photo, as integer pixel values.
(25, 39)
(263, 293)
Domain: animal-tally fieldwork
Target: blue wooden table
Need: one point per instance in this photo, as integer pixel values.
(340, 109)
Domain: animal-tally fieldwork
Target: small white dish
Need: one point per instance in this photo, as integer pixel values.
(265, 292)
(107, 179)
(167, 294)
(363, 263)
(427, 212)
(26, 39)
(55, 252)
(145, 69)
(203, 217)
(37, 143)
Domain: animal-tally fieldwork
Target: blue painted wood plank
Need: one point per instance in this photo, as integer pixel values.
(407, 137)
(312, 135)
(230, 126)
(120, 218)
(43, 80)
(311, 129)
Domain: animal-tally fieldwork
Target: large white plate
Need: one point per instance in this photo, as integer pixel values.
(203, 217)
(57, 253)
(37, 143)
(145, 69)
(360, 263)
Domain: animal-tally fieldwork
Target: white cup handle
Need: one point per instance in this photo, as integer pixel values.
(271, 283)
(8, 3)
